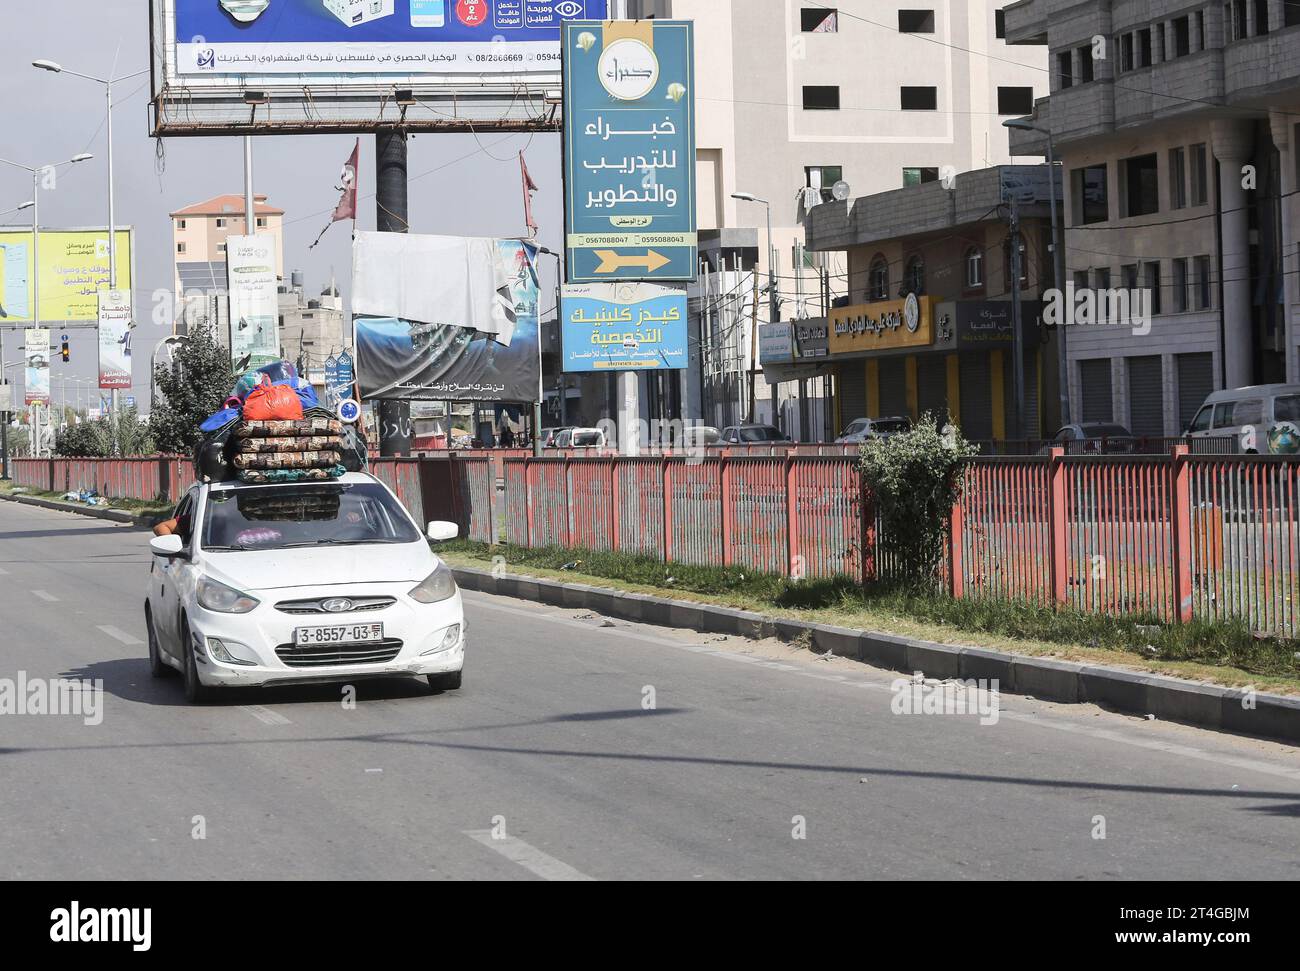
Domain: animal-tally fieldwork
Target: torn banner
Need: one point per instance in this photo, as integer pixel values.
(443, 318)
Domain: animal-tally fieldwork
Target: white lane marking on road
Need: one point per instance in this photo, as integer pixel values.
(120, 635)
(529, 857)
(1105, 734)
(265, 715)
(46, 596)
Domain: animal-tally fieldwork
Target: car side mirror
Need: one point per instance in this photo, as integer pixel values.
(441, 532)
(168, 546)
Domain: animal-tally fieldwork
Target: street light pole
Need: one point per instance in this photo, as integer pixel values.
(112, 212)
(1058, 261)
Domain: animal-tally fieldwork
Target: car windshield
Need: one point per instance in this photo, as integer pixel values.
(764, 434)
(857, 428)
(288, 517)
(1103, 431)
(586, 440)
(892, 426)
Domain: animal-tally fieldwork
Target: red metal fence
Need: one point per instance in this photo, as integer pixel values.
(1174, 536)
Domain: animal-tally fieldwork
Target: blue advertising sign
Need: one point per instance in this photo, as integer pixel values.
(368, 37)
(629, 144)
(624, 327)
(338, 379)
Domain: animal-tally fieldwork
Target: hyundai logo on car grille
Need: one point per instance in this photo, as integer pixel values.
(338, 605)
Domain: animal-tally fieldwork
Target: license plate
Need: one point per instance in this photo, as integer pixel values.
(340, 634)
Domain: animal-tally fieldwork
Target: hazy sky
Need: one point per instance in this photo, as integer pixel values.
(460, 185)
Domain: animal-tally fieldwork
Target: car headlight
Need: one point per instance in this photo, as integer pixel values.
(223, 599)
(438, 586)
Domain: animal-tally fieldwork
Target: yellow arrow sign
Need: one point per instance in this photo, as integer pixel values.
(611, 262)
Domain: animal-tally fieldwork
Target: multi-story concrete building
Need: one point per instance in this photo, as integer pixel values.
(199, 234)
(311, 328)
(930, 325)
(793, 97)
(1178, 124)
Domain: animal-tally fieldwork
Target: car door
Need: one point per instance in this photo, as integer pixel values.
(168, 611)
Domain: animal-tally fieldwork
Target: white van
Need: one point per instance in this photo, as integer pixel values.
(1233, 414)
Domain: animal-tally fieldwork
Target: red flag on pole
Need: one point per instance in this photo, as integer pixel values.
(529, 188)
(347, 207)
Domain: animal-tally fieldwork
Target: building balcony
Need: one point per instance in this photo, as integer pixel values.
(1181, 86)
(1262, 67)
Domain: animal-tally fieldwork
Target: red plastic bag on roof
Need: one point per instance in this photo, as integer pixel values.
(272, 402)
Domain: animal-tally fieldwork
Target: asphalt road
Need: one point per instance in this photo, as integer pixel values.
(549, 745)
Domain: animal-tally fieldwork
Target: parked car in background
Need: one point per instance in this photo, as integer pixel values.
(1093, 438)
(699, 436)
(571, 438)
(753, 435)
(865, 429)
(551, 435)
(1235, 414)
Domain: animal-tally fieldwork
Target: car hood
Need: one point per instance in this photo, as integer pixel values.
(321, 566)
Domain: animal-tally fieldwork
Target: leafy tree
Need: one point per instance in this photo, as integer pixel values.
(916, 479)
(194, 386)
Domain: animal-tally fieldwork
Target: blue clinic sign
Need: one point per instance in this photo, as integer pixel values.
(629, 144)
(338, 379)
(624, 327)
(362, 38)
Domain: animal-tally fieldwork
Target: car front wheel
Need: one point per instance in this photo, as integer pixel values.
(449, 681)
(157, 668)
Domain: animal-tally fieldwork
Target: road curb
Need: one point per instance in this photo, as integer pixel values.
(1132, 692)
(138, 520)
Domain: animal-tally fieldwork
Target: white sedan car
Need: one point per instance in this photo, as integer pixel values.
(304, 583)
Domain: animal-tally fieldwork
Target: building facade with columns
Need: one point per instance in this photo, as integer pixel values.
(1178, 126)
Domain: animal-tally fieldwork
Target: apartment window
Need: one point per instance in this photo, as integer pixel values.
(1261, 17)
(1080, 279)
(974, 268)
(919, 98)
(1085, 64)
(823, 178)
(1015, 101)
(914, 277)
(821, 97)
(1203, 283)
(180, 247)
(819, 20)
(1151, 277)
(1177, 178)
(919, 176)
(1141, 185)
(1200, 175)
(1291, 14)
(1064, 70)
(221, 223)
(1161, 51)
(261, 222)
(1126, 53)
(1129, 275)
(1144, 47)
(1102, 276)
(916, 21)
(1180, 301)
(1091, 195)
(1182, 36)
(1237, 23)
(180, 224)
(1200, 27)
(879, 279)
(221, 247)
(1000, 24)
